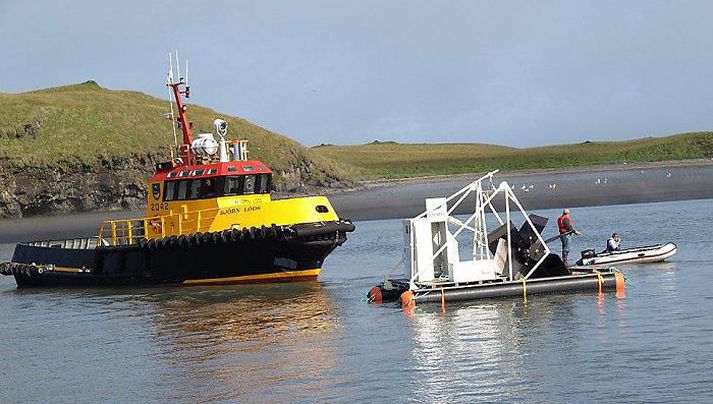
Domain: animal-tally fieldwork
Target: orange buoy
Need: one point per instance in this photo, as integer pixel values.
(374, 295)
(620, 282)
(406, 299)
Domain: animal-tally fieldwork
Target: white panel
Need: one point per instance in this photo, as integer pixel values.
(423, 249)
(437, 209)
(408, 248)
(501, 256)
(472, 271)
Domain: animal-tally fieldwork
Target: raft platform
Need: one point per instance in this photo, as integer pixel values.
(506, 262)
(398, 289)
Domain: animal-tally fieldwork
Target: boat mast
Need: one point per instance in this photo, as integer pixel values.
(184, 151)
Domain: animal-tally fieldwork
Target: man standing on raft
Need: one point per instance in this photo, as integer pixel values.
(564, 223)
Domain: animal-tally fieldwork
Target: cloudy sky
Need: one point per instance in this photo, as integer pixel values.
(519, 73)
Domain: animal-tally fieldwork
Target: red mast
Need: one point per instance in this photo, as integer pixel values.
(184, 149)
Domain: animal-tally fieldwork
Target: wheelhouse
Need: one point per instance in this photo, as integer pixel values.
(212, 181)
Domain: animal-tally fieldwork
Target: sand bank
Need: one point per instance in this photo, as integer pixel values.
(591, 186)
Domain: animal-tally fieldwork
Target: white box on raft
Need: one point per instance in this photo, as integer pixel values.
(472, 271)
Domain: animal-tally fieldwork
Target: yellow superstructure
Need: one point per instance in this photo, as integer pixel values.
(165, 219)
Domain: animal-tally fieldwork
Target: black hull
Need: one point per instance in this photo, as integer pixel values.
(275, 254)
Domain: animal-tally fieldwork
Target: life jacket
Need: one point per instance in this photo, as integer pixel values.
(562, 227)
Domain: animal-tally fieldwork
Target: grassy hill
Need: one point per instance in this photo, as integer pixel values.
(82, 147)
(394, 160)
(78, 124)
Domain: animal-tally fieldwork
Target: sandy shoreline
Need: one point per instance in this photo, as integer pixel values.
(392, 199)
(540, 189)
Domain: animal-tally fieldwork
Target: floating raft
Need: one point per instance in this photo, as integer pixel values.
(508, 261)
(398, 290)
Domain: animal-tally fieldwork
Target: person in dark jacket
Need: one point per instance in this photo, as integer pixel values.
(566, 228)
(614, 243)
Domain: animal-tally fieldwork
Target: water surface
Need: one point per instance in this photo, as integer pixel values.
(321, 342)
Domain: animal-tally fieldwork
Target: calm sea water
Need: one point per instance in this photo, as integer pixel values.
(321, 342)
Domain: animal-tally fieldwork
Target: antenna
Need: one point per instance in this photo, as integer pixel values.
(170, 68)
(170, 103)
(178, 66)
(187, 92)
(180, 91)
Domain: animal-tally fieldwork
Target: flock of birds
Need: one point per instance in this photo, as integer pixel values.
(553, 186)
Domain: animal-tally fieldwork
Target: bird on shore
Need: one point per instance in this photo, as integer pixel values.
(605, 180)
(552, 186)
(598, 181)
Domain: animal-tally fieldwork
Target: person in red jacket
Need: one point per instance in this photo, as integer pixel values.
(566, 228)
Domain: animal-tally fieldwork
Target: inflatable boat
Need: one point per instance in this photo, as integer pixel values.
(637, 255)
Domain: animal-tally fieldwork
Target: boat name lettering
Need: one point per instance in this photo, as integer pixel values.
(230, 211)
(237, 210)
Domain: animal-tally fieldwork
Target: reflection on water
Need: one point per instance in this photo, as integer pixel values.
(493, 339)
(213, 343)
(242, 340)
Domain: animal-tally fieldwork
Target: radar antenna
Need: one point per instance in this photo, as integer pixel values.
(172, 116)
(178, 90)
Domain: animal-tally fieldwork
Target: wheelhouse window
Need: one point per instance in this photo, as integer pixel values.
(182, 190)
(232, 185)
(263, 186)
(194, 189)
(209, 188)
(170, 190)
(249, 185)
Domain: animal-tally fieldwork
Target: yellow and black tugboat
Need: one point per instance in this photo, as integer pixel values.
(210, 220)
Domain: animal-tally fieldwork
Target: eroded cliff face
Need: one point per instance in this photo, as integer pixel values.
(113, 184)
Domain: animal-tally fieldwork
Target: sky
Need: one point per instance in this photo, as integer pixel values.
(517, 73)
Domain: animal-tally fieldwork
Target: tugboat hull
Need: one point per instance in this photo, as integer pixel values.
(267, 254)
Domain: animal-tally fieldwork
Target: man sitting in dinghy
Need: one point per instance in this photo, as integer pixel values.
(614, 243)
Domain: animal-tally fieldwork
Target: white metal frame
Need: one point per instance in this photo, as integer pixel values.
(483, 203)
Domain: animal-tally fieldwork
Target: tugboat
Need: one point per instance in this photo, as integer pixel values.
(210, 219)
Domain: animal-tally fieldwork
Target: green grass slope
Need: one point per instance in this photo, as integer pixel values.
(395, 160)
(78, 124)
